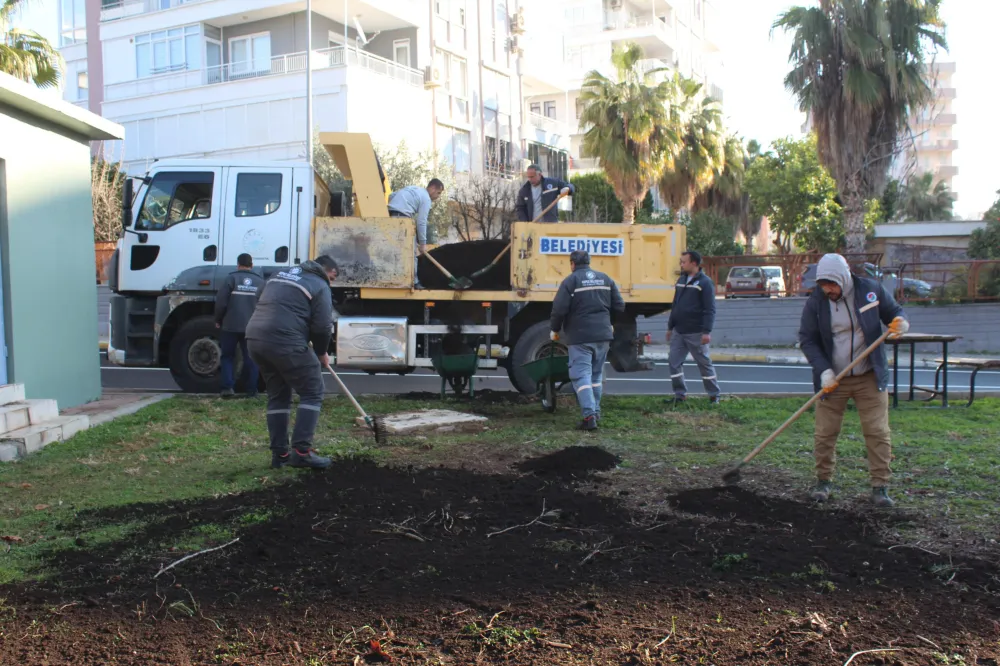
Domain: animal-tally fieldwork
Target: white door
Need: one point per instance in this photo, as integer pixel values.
(176, 228)
(258, 216)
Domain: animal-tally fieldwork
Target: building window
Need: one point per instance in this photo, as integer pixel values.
(82, 85)
(554, 163)
(257, 194)
(550, 110)
(579, 108)
(250, 54)
(535, 108)
(453, 96)
(450, 22)
(72, 22)
(168, 51)
(454, 146)
(401, 52)
(174, 197)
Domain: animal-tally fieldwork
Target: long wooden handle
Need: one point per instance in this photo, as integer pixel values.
(549, 207)
(794, 417)
(343, 389)
(440, 267)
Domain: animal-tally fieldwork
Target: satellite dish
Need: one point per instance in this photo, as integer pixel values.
(364, 40)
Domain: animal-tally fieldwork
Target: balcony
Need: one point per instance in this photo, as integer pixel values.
(547, 131)
(112, 10)
(654, 35)
(945, 119)
(947, 93)
(292, 63)
(583, 164)
(944, 145)
(946, 171)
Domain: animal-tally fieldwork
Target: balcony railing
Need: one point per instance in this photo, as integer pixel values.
(112, 10)
(546, 124)
(659, 26)
(291, 63)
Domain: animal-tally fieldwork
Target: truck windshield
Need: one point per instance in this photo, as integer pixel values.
(176, 196)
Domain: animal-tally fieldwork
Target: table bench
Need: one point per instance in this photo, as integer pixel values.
(912, 340)
(976, 364)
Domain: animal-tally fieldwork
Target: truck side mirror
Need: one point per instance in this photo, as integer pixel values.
(127, 203)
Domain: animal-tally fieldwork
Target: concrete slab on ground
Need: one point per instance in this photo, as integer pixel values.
(429, 420)
(111, 406)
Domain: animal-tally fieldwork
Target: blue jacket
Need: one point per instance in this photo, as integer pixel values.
(583, 307)
(816, 332)
(693, 310)
(551, 187)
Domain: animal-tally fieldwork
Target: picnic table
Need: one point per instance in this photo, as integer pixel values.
(976, 364)
(914, 339)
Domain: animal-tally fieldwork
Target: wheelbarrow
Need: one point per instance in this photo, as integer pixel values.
(457, 371)
(550, 373)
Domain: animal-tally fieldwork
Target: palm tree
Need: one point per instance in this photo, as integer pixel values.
(702, 155)
(628, 126)
(859, 70)
(24, 53)
(925, 201)
(726, 195)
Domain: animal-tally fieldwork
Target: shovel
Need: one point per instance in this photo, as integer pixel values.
(732, 477)
(455, 283)
(489, 267)
(374, 423)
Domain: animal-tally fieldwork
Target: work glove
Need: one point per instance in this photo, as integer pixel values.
(828, 380)
(564, 192)
(899, 326)
(554, 336)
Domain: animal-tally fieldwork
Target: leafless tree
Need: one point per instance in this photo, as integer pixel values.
(483, 207)
(106, 179)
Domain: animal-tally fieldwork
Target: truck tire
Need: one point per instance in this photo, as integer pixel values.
(195, 356)
(531, 346)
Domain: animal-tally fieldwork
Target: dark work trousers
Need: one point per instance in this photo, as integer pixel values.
(287, 369)
(229, 341)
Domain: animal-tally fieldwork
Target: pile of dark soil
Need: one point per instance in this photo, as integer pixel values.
(571, 462)
(464, 259)
(447, 566)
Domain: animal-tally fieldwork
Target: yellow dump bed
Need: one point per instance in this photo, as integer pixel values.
(376, 256)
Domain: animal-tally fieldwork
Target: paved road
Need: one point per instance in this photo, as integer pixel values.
(734, 378)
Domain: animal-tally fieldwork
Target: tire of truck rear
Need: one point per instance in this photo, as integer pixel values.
(531, 346)
(195, 355)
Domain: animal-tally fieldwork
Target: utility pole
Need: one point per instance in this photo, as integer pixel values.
(309, 83)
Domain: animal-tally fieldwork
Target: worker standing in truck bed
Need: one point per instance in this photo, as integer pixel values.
(538, 193)
(415, 203)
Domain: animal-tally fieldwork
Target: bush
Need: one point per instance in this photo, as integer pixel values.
(712, 234)
(595, 200)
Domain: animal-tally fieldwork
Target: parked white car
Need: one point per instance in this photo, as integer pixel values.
(775, 281)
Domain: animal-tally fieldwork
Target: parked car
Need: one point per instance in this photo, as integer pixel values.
(912, 288)
(775, 280)
(746, 281)
(808, 280)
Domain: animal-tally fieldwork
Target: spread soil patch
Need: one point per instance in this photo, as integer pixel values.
(464, 259)
(572, 462)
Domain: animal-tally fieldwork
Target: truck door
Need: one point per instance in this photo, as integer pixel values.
(176, 228)
(258, 216)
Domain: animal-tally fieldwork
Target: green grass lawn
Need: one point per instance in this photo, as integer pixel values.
(946, 462)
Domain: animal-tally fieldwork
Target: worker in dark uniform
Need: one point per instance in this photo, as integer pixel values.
(234, 304)
(582, 310)
(295, 308)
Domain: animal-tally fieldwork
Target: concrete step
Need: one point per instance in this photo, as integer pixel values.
(19, 443)
(18, 415)
(11, 393)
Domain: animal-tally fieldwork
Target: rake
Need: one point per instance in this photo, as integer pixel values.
(375, 423)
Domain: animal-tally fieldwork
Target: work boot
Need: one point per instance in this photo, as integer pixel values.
(821, 492)
(227, 393)
(676, 400)
(588, 423)
(307, 458)
(714, 400)
(279, 459)
(880, 497)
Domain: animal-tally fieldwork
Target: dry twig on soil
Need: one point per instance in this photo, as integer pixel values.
(847, 663)
(537, 520)
(200, 552)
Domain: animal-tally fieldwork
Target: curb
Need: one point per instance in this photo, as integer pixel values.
(128, 410)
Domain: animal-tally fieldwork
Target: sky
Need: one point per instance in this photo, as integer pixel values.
(758, 107)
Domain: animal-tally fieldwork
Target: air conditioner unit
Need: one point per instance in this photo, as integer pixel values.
(517, 22)
(514, 44)
(432, 77)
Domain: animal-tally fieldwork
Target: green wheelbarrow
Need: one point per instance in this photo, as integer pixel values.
(550, 373)
(457, 371)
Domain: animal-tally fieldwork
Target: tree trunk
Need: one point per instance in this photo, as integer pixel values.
(628, 213)
(854, 221)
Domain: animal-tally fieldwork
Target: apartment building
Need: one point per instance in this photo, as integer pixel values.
(934, 127)
(678, 35)
(227, 78)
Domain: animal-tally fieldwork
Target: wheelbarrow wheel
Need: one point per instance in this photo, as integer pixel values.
(549, 396)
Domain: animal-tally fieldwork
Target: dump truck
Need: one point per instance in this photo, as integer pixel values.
(186, 221)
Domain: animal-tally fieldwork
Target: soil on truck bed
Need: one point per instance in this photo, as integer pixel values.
(464, 259)
(366, 564)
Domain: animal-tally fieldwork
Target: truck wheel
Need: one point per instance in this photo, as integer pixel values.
(531, 346)
(195, 355)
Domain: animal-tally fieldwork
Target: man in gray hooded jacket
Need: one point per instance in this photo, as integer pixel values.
(840, 320)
